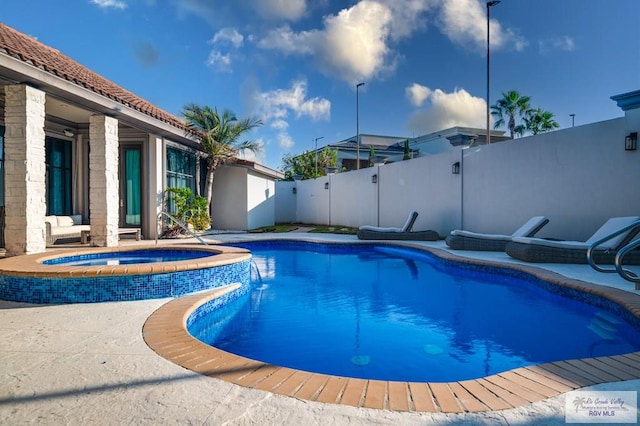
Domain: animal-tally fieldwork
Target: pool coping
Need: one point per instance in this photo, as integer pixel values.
(165, 332)
(31, 265)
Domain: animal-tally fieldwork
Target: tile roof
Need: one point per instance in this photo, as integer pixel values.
(30, 51)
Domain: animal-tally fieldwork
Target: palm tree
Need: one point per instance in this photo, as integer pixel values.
(539, 121)
(511, 104)
(219, 137)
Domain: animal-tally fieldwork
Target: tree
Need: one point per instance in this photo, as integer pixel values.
(372, 155)
(219, 137)
(406, 151)
(305, 164)
(539, 121)
(511, 105)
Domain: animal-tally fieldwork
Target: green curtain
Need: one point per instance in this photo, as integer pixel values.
(59, 191)
(132, 179)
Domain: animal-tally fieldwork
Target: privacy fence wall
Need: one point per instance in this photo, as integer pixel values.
(577, 177)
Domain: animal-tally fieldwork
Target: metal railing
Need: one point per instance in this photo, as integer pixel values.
(595, 244)
(625, 273)
(180, 224)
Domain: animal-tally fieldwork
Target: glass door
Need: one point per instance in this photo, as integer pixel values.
(130, 205)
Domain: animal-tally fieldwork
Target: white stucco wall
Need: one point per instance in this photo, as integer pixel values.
(261, 201)
(313, 201)
(285, 202)
(577, 177)
(229, 205)
(242, 199)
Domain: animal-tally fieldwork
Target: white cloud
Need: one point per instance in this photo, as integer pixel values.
(286, 41)
(290, 10)
(277, 104)
(447, 110)
(285, 141)
(355, 41)
(228, 35)
(105, 4)
(417, 94)
(465, 22)
(218, 61)
(352, 45)
(565, 43)
(408, 15)
(280, 125)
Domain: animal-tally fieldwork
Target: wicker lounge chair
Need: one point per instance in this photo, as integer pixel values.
(381, 233)
(467, 240)
(551, 251)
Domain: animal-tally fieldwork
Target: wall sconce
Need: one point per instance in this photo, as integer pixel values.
(68, 133)
(326, 185)
(295, 190)
(631, 141)
(455, 168)
(374, 179)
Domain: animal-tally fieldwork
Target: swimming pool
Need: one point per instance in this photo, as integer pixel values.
(385, 313)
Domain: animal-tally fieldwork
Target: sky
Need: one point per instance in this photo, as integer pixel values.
(295, 64)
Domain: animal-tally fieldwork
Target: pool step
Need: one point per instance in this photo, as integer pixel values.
(604, 325)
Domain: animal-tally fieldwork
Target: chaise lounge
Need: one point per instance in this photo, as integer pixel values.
(367, 232)
(551, 251)
(467, 240)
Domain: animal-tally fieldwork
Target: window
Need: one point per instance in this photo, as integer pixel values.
(181, 169)
(58, 178)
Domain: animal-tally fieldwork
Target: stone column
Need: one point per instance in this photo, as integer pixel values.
(103, 180)
(25, 205)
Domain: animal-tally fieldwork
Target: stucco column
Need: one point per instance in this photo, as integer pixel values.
(25, 205)
(103, 180)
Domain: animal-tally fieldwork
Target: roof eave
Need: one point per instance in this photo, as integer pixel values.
(18, 72)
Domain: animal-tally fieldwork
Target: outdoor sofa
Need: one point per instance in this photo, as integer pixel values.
(467, 240)
(58, 227)
(554, 251)
(367, 232)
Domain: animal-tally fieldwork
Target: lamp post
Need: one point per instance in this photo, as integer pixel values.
(573, 119)
(358, 125)
(490, 4)
(316, 149)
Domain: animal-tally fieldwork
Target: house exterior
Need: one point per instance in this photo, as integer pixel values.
(446, 139)
(244, 196)
(74, 142)
(390, 149)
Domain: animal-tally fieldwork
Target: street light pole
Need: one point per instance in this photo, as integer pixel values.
(490, 4)
(358, 125)
(316, 149)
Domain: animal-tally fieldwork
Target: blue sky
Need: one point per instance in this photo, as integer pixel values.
(295, 63)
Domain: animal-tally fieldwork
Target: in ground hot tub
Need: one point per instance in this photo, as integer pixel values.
(121, 273)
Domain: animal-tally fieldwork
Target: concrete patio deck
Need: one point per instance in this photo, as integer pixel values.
(88, 364)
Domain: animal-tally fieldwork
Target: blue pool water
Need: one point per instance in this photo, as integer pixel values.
(128, 257)
(386, 313)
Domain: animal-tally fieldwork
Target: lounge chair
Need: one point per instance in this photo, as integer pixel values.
(367, 232)
(552, 251)
(467, 240)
